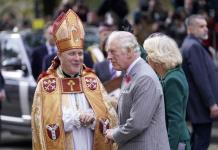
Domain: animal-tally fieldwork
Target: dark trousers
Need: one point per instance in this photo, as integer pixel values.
(201, 135)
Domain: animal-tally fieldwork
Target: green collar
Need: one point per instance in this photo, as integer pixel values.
(169, 71)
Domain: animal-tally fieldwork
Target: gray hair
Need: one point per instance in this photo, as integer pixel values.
(191, 20)
(164, 50)
(126, 40)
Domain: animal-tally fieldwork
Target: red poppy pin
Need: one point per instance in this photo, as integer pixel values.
(127, 78)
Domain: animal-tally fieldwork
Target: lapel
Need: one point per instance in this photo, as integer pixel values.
(135, 69)
(129, 79)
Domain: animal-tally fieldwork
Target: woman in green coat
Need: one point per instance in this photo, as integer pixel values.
(164, 57)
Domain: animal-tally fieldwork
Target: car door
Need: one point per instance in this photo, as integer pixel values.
(19, 83)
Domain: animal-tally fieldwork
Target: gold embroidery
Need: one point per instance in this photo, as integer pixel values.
(71, 83)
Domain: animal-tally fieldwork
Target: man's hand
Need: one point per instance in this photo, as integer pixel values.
(214, 111)
(109, 134)
(2, 95)
(86, 118)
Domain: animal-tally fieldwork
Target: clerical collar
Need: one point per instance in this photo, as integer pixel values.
(70, 76)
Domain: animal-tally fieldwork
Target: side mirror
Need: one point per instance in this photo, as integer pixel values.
(12, 64)
(15, 64)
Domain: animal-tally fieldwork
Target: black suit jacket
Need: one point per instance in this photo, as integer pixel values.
(102, 70)
(37, 60)
(202, 76)
(47, 61)
(88, 59)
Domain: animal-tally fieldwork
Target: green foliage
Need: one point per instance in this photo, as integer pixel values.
(19, 7)
(93, 4)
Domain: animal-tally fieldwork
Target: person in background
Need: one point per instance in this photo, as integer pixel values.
(96, 51)
(71, 109)
(126, 26)
(8, 21)
(119, 9)
(39, 53)
(141, 103)
(202, 77)
(47, 61)
(165, 58)
(104, 70)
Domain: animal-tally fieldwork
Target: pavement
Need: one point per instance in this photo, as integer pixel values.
(214, 140)
(214, 137)
(18, 142)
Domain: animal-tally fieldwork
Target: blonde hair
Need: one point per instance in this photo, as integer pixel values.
(163, 50)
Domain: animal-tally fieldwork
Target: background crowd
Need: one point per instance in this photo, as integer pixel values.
(167, 17)
(151, 16)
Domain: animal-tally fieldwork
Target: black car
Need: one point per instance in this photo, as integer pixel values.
(16, 50)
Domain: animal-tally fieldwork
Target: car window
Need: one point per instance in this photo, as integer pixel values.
(32, 40)
(10, 51)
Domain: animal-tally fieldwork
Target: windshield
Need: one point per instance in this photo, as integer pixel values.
(31, 40)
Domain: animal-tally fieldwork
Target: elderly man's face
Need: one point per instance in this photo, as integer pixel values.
(117, 56)
(71, 61)
(199, 29)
